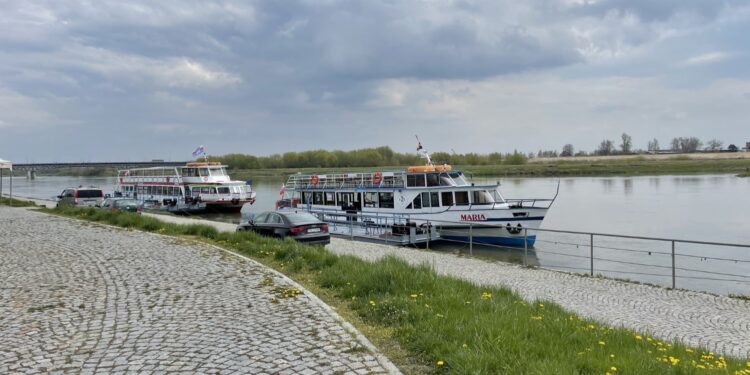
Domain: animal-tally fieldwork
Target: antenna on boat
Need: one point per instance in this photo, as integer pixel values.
(422, 152)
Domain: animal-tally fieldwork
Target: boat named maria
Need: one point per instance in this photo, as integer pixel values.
(430, 194)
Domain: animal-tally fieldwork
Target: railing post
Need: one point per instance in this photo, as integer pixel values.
(351, 226)
(674, 281)
(591, 242)
(428, 235)
(525, 247)
(471, 239)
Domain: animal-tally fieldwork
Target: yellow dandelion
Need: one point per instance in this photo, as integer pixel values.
(591, 326)
(465, 346)
(613, 368)
(413, 296)
(372, 302)
(611, 356)
(541, 305)
(538, 317)
(638, 337)
(689, 350)
(602, 343)
(440, 363)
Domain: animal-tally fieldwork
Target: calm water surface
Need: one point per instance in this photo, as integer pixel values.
(713, 208)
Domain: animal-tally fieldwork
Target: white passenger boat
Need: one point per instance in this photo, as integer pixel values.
(433, 195)
(188, 188)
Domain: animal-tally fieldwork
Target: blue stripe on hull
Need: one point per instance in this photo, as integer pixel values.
(494, 240)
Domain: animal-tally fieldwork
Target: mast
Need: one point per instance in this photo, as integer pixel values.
(423, 153)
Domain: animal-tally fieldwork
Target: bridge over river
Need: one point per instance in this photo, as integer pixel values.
(32, 168)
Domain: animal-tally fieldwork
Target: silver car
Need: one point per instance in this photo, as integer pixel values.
(81, 197)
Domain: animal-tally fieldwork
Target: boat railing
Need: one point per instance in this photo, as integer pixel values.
(529, 203)
(346, 180)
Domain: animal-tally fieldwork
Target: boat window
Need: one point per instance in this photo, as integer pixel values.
(345, 198)
(415, 179)
(386, 200)
(425, 200)
(417, 202)
(318, 197)
(447, 197)
(481, 197)
(216, 171)
(459, 178)
(371, 199)
(306, 197)
(223, 190)
(330, 199)
(434, 199)
(445, 180)
(203, 172)
(432, 179)
(462, 198)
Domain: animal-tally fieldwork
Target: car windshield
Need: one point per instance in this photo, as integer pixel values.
(301, 218)
(126, 202)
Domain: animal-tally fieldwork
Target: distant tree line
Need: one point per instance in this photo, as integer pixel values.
(367, 157)
(677, 145)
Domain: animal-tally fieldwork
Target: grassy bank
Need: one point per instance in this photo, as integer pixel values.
(16, 202)
(626, 166)
(434, 324)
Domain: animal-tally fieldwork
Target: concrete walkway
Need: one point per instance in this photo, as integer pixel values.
(79, 297)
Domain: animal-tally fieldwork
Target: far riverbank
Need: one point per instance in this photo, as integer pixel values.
(601, 166)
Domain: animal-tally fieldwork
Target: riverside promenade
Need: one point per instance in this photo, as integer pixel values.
(717, 323)
(79, 297)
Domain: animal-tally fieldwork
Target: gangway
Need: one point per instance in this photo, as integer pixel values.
(394, 229)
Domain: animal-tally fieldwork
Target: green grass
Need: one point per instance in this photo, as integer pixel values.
(16, 202)
(744, 174)
(440, 324)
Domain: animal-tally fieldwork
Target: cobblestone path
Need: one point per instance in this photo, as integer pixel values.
(77, 297)
(718, 323)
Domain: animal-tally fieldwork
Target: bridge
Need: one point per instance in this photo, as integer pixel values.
(31, 168)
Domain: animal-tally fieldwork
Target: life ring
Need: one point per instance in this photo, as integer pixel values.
(377, 177)
(314, 179)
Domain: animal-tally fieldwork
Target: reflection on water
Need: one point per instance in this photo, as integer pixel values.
(703, 208)
(627, 185)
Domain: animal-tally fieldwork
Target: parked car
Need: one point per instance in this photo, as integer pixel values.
(298, 225)
(121, 204)
(81, 197)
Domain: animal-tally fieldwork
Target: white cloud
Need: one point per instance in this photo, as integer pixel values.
(171, 72)
(707, 58)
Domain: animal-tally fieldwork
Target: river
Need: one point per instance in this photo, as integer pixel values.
(711, 208)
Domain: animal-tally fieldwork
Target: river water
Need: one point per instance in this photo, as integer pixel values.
(708, 208)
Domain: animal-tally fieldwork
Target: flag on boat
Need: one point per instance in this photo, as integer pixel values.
(199, 151)
(282, 190)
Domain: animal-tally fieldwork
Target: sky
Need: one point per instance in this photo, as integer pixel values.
(141, 80)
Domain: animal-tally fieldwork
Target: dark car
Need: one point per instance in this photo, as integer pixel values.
(300, 226)
(121, 204)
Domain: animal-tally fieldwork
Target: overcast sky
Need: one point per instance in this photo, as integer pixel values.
(140, 80)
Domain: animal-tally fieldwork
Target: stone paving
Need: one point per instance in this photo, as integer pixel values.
(717, 323)
(78, 297)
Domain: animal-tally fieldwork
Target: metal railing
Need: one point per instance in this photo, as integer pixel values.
(683, 263)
